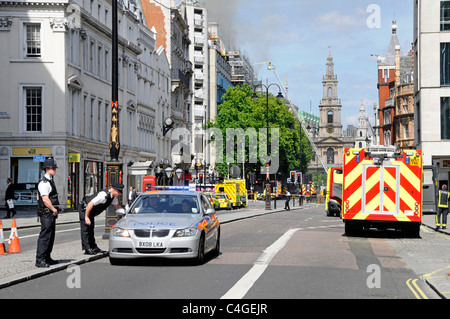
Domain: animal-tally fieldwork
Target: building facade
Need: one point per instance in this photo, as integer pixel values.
(432, 83)
(56, 92)
(395, 118)
(197, 17)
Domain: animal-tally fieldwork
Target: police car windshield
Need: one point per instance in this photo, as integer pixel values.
(173, 203)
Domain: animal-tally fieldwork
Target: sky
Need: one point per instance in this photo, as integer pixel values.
(295, 35)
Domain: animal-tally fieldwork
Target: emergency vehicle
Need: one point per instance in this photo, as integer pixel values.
(242, 190)
(232, 191)
(382, 188)
(333, 199)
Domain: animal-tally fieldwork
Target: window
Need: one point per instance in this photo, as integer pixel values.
(33, 106)
(406, 130)
(330, 156)
(330, 116)
(445, 15)
(33, 40)
(445, 63)
(445, 118)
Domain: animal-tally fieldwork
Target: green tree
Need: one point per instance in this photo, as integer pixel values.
(239, 110)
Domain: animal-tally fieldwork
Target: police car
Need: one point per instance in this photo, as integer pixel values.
(166, 223)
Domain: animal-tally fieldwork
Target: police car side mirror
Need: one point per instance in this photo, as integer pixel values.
(210, 211)
(120, 212)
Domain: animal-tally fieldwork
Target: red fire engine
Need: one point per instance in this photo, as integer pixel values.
(382, 188)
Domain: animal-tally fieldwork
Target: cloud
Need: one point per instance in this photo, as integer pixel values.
(337, 21)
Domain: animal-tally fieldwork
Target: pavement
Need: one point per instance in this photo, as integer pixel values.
(20, 267)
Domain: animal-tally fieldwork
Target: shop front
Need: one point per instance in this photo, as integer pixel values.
(26, 171)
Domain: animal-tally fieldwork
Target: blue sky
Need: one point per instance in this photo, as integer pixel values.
(295, 34)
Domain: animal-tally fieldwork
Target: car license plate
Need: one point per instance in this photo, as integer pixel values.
(150, 244)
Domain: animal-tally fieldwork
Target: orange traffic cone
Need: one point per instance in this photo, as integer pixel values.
(14, 246)
(2, 240)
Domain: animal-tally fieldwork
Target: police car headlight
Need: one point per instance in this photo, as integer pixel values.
(120, 232)
(187, 232)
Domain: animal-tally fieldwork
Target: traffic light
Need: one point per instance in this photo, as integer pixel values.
(292, 177)
(299, 177)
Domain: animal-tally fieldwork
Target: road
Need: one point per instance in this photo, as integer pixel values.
(290, 255)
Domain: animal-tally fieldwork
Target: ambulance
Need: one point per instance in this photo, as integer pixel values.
(242, 190)
(382, 188)
(232, 191)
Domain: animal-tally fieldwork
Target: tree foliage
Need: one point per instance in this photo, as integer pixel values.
(239, 110)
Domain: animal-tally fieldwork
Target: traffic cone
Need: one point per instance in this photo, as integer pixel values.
(2, 240)
(14, 246)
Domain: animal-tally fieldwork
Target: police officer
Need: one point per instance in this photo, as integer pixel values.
(48, 212)
(442, 207)
(91, 207)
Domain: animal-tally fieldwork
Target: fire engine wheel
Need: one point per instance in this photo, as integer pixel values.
(411, 230)
(351, 227)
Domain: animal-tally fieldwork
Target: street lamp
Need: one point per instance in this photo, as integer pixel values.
(169, 171)
(254, 97)
(179, 173)
(113, 167)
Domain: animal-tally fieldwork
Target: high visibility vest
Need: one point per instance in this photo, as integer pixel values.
(443, 199)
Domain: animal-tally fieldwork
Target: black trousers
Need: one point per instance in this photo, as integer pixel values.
(9, 210)
(442, 213)
(87, 232)
(286, 203)
(46, 238)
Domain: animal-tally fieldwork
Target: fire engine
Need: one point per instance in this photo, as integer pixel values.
(382, 188)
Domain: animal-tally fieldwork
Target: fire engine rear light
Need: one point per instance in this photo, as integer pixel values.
(409, 153)
(355, 152)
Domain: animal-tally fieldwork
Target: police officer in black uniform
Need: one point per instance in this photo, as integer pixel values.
(91, 207)
(48, 208)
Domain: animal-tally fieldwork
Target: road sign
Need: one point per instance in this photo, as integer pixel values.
(39, 158)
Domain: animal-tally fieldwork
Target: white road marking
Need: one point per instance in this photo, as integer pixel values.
(56, 232)
(240, 289)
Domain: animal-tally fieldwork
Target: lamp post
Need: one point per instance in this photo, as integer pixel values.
(279, 96)
(169, 171)
(113, 167)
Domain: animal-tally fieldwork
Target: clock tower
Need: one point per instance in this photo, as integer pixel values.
(330, 107)
(330, 141)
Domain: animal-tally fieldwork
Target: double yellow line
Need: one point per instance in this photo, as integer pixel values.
(412, 285)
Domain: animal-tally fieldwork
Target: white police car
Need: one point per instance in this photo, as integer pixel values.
(166, 223)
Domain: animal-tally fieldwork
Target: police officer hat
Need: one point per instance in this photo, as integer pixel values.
(49, 163)
(117, 187)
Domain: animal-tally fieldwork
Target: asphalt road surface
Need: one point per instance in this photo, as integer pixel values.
(300, 254)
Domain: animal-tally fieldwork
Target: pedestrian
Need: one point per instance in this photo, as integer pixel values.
(9, 197)
(131, 195)
(91, 207)
(288, 198)
(48, 208)
(442, 208)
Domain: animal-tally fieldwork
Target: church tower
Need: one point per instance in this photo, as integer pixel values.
(330, 107)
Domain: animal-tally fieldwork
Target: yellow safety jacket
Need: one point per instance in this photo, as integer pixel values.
(443, 198)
